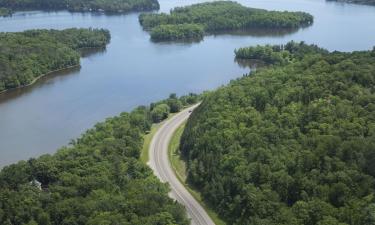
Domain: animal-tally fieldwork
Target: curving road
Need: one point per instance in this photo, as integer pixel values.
(159, 162)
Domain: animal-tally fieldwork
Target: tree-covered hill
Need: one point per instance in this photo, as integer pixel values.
(292, 143)
(27, 55)
(223, 16)
(114, 6)
(98, 180)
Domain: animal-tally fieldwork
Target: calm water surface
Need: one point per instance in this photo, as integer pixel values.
(134, 71)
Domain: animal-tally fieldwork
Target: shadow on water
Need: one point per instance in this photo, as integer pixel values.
(253, 32)
(252, 64)
(188, 42)
(258, 32)
(86, 52)
(45, 80)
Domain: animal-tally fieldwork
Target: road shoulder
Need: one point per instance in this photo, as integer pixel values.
(179, 168)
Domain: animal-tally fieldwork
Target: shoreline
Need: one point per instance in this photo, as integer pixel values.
(79, 50)
(39, 77)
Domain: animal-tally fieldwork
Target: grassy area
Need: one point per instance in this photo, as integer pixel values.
(148, 137)
(179, 167)
(147, 141)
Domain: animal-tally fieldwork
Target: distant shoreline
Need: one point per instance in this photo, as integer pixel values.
(356, 2)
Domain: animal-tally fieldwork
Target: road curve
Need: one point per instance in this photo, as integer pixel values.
(161, 166)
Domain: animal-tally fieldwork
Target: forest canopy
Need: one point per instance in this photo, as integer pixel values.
(223, 16)
(115, 6)
(292, 143)
(25, 56)
(98, 179)
(277, 54)
(170, 32)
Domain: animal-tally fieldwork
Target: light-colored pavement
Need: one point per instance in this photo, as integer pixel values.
(159, 162)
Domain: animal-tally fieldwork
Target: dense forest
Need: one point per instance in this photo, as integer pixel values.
(223, 16)
(97, 180)
(5, 12)
(363, 2)
(276, 54)
(170, 32)
(27, 55)
(115, 6)
(292, 143)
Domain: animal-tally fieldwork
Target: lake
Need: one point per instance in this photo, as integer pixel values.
(133, 70)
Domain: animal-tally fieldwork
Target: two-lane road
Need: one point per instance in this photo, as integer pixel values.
(159, 162)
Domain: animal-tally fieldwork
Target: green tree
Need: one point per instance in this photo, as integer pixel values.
(174, 104)
(98, 179)
(291, 143)
(28, 55)
(160, 112)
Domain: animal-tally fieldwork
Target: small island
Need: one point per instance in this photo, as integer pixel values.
(110, 6)
(27, 56)
(5, 12)
(217, 16)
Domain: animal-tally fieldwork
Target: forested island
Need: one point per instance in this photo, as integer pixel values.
(218, 16)
(111, 6)
(26, 56)
(98, 179)
(292, 143)
(363, 2)
(5, 12)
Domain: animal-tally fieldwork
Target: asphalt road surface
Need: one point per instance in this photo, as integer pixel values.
(161, 166)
